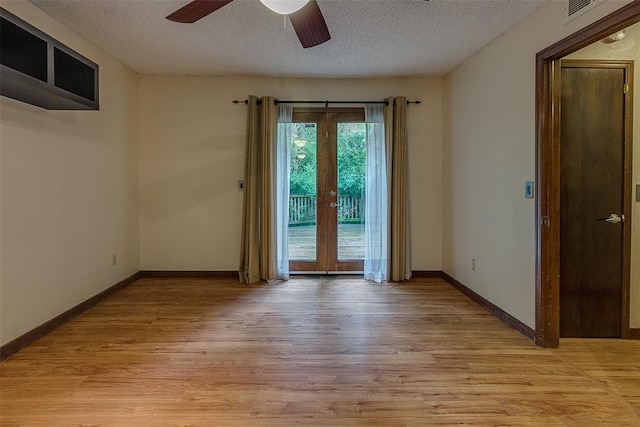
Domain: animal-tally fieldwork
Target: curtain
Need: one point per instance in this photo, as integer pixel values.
(375, 209)
(258, 249)
(283, 160)
(395, 126)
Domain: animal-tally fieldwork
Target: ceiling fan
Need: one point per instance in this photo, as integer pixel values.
(305, 16)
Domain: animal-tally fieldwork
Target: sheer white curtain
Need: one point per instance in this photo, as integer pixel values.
(376, 232)
(283, 157)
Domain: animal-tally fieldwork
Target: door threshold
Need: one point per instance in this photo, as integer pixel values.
(326, 273)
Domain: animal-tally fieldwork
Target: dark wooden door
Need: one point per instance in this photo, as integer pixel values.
(592, 159)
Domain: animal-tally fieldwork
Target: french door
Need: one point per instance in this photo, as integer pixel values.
(326, 204)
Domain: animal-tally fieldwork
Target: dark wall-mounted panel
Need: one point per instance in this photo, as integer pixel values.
(73, 75)
(39, 70)
(22, 51)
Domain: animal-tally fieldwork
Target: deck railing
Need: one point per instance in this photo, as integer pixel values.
(302, 209)
(350, 209)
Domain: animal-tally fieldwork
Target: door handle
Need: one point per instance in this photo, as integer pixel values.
(613, 219)
(332, 193)
(333, 204)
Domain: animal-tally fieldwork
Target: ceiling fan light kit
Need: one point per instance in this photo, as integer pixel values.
(616, 37)
(284, 7)
(305, 16)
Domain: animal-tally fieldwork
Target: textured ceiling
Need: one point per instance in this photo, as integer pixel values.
(370, 38)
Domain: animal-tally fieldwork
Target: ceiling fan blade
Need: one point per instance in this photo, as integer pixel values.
(196, 10)
(310, 25)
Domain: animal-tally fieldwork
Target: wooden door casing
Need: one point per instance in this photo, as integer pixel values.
(547, 262)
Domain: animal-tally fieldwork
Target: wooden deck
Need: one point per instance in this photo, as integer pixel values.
(336, 352)
(302, 242)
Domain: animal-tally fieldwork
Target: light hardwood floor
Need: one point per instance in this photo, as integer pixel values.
(310, 352)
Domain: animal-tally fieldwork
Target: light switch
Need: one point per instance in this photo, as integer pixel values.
(528, 190)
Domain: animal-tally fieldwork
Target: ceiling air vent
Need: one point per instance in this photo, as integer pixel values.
(577, 8)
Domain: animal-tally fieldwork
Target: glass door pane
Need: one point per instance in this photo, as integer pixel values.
(303, 193)
(351, 194)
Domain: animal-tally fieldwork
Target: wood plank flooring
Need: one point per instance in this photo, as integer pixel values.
(310, 352)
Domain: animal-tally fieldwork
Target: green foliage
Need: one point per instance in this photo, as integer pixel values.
(303, 170)
(351, 159)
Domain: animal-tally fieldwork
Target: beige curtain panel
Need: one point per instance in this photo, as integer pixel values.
(395, 124)
(258, 251)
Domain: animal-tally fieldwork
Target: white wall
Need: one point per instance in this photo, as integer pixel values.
(192, 155)
(627, 49)
(69, 193)
(489, 153)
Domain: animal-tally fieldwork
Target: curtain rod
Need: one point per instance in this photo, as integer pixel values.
(246, 101)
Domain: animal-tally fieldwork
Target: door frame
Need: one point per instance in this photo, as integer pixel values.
(327, 168)
(548, 173)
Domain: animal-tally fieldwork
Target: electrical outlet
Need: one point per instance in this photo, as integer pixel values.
(114, 260)
(473, 264)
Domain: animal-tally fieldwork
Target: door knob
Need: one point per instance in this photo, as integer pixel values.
(332, 193)
(333, 204)
(613, 219)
